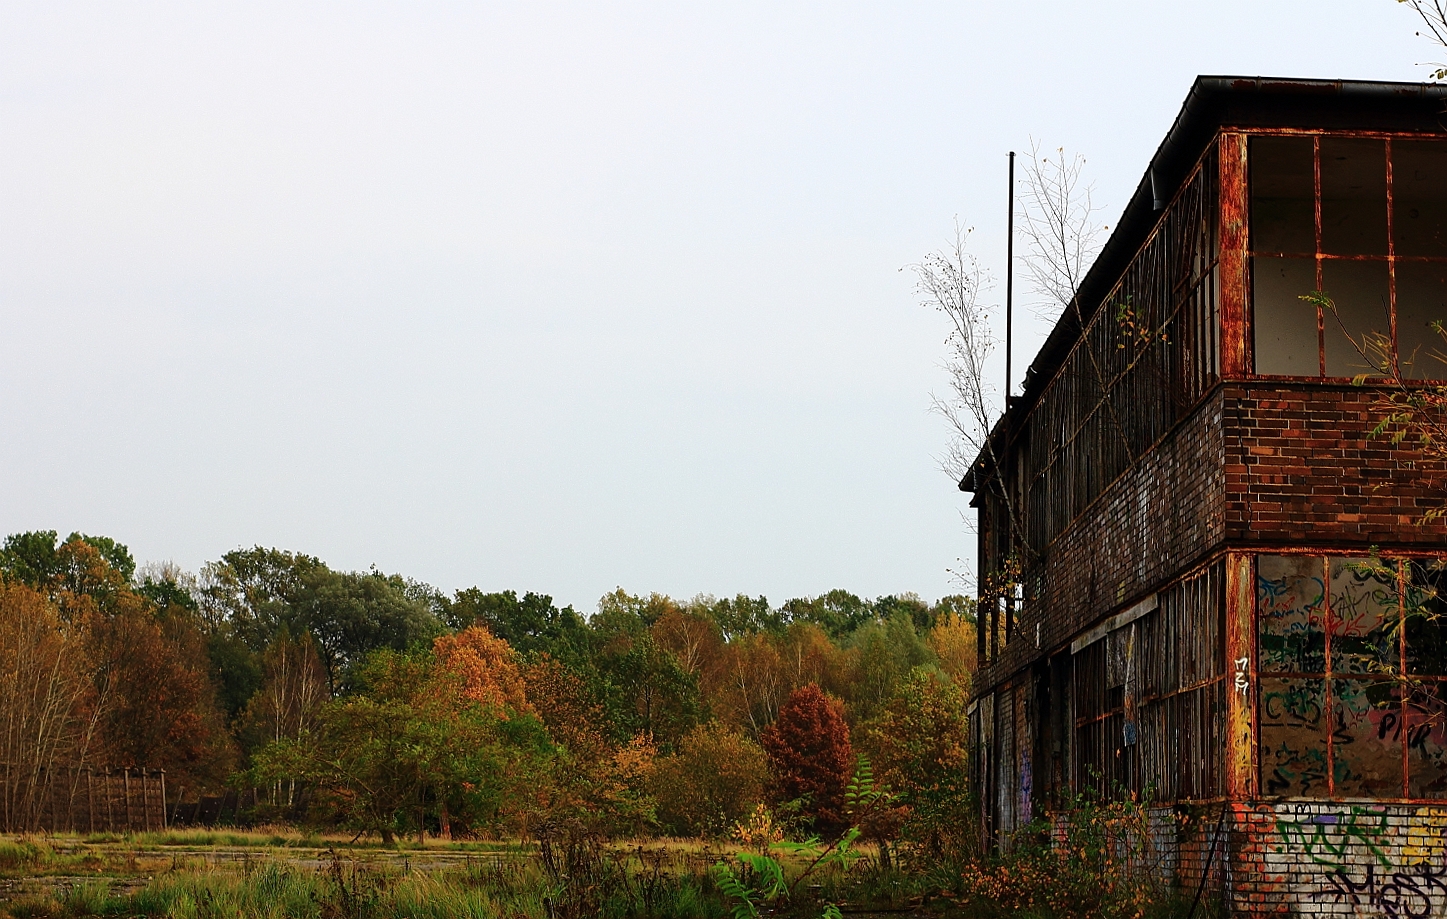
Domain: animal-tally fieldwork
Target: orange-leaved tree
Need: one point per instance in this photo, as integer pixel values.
(46, 693)
(486, 668)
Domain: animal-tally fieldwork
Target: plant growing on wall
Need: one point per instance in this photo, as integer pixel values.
(1410, 411)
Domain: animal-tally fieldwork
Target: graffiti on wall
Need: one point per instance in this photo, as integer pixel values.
(1413, 893)
(1359, 858)
(1335, 839)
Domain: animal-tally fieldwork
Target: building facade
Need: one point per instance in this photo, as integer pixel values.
(1208, 581)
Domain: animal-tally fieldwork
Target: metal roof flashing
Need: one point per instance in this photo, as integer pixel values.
(1214, 103)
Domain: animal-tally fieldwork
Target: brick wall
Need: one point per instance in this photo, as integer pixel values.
(1164, 515)
(1338, 859)
(1303, 469)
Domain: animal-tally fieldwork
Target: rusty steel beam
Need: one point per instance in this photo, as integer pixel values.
(1235, 206)
(1241, 733)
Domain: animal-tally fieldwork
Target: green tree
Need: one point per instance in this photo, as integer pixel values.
(407, 746)
(531, 623)
(743, 615)
(35, 558)
(258, 592)
(887, 651)
(920, 614)
(31, 558)
(839, 612)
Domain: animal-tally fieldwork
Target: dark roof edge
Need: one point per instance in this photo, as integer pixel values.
(1202, 114)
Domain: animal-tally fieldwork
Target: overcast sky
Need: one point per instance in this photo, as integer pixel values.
(547, 296)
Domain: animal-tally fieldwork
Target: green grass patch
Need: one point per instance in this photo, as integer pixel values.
(344, 889)
(23, 855)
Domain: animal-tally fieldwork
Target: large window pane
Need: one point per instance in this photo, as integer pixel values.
(1364, 617)
(1425, 609)
(1353, 196)
(1284, 325)
(1283, 213)
(1293, 737)
(1361, 293)
(1419, 197)
(1421, 301)
(1426, 737)
(1366, 738)
(1289, 603)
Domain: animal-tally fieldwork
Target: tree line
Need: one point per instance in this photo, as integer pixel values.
(376, 702)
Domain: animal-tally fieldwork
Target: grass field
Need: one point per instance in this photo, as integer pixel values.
(283, 873)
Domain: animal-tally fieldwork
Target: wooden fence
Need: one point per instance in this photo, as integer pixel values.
(82, 800)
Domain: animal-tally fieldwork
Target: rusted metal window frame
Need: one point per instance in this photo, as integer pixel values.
(1067, 452)
(1391, 258)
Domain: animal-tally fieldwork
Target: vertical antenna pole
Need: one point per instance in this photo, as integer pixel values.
(1010, 284)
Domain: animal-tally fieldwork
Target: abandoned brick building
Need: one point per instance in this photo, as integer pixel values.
(1212, 583)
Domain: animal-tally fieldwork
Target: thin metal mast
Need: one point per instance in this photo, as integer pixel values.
(1010, 284)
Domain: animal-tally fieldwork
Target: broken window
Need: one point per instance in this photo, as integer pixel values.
(1424, 721)
(1149, 699)
(1352, 666)
(1364, 221)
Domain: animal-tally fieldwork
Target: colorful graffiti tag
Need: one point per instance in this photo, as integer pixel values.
(1362, 859)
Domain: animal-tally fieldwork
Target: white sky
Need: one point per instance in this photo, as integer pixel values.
(546, 296)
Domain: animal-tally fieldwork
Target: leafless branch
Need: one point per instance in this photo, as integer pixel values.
(951, 281)
(1057, 217)
(1433, 14)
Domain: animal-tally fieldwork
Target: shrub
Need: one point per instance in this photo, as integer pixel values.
(713, 780)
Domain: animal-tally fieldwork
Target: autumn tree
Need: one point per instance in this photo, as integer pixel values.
(953, 639)
(810, 756)
(574, 719)
(749, 684)
(150, 702)
(713, 781)
(46, 695)
(485, 667)
(695, 640)
(157, 704)
(918, 750)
